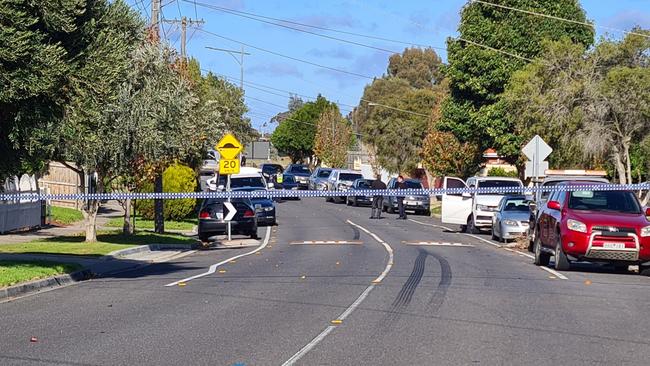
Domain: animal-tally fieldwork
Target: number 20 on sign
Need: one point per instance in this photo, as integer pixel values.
(228, 166)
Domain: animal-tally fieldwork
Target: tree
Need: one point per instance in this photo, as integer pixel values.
(443, 155)
(478, 75)
(422, 68)
(333, 138)
(295, 135)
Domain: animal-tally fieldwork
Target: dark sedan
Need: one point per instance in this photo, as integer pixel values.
(264, 207)
(212, 213)
(301, 173)
(360, 184)
(289, 183)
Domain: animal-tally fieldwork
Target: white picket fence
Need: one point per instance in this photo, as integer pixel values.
(20, 213)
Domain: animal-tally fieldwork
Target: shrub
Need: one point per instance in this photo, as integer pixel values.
(176, 178)
(500, 172)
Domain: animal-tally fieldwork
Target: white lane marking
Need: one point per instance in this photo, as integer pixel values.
(436, 244)
(559, 275)
(554, 272)
(325, 242)
(303, 351)
(213, 268)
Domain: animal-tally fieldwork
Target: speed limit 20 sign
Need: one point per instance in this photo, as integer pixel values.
(228, 166)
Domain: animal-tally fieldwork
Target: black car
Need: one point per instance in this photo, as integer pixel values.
(360, 184)
(264, 207)
(289, 183)
(301, 173)
(270, 173)
(212, 214)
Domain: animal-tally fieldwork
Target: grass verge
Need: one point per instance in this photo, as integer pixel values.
(14, 272)
(106, 242)
(65, 215)
(140, 223)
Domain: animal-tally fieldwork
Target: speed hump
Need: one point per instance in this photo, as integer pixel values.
(228, 166)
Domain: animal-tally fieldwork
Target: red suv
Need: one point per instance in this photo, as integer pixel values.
(595, 226)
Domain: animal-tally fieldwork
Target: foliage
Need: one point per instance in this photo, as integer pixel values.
(65, 215)
(443, 155)
(500, 172)
(333, 138)
(478, 75)
(176, 178)
(422, 68)
(295, 135)
(13, 272)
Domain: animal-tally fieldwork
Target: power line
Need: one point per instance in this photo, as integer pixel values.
(317, 27)
(289, 57)
(264, 101)
(591, 25)
(304, 122)
(493, 49)
(239, 14)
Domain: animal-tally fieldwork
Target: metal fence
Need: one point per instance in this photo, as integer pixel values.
(21, 213)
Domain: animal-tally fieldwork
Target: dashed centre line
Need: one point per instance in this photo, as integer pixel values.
(326, 242)
(436, 244)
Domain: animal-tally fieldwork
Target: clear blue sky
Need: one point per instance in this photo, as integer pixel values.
(427, 22)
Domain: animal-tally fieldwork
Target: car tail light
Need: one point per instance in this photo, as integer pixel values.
(204, 215)
(249, 213)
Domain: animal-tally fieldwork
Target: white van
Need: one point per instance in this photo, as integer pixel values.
(474, 211)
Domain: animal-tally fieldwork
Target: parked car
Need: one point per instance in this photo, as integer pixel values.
(360, 184)
(271, 172)
(289, 183)
(341, 180)
(511, 220)
(212, 213)
(318, 179)
(419, 204)
(553, 178)
(595, 226)
(474, 211)
(251, 179)
(301, 173)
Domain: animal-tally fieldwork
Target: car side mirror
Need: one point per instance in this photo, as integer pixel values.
(270, 185)
(553, 205)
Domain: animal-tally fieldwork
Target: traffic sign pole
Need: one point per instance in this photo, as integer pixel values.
(229, 224)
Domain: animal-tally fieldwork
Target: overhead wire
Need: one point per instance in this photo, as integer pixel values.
(529, 12)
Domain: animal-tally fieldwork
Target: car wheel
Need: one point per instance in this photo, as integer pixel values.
(644, 270)
(328, 199)
(253, 235)
(494, 237)
(355, 203)
(622, 268)
(561, 261)
(391, 209)
(348, 202)
(470, 228)
(204, 238)
(541, 258)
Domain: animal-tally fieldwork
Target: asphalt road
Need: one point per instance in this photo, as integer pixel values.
(445, 298)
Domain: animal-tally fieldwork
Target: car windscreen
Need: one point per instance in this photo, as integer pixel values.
(499, 184)
(517, 205)
(271, 169)
(413, 185)
(545, 195)
(350, 177)
(324, 173)
(300, 169)
(609, 201)
(363, 184)
(243, 182)
(288, 179)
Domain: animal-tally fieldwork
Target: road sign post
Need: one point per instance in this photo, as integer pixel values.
(229, 147)
(536, 150)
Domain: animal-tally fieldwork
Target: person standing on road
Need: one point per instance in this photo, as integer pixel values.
(377, 200)
(401, 184)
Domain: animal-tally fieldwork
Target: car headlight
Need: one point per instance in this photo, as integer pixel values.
(576, 225)
(483, 208)
(342, 187)
(268, 208)
(645, 231)
(510, 222)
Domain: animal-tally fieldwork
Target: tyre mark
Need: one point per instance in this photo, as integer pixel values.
(440, 293)
(405, 295)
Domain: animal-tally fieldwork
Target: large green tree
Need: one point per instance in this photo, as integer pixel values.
(422, 68)
(295, 135)
(333, 138)
(478, 75)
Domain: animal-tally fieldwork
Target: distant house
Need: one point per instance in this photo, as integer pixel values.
(492, 159)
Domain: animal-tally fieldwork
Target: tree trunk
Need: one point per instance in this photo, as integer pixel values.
(159, 220)
(90, 220)
(626, 156)
(127, 229)
(620, 166)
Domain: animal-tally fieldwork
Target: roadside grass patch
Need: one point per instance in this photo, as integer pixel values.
(14, 272)
(140, 223)
(106, 242)
(65, 215)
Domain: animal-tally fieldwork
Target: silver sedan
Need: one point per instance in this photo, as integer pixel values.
(511, 220)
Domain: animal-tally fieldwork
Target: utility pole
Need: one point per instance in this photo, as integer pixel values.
(184, 21)
(239, 60)
(155, 18)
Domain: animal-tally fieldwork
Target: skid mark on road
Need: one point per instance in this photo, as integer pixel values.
(440, 294)
(405, 295)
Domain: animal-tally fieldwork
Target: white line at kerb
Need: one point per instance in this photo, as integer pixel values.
(213, 268)
(554, 272)
(309, 346)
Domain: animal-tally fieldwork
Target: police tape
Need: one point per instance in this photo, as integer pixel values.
(281, 193)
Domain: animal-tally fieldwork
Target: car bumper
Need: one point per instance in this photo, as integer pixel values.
(363, 200)
(595, 247)
(514, 232)
(412, 207)
(266, 218)
(207, 228)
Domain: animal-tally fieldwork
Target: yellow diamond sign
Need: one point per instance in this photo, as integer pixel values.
(229, 147)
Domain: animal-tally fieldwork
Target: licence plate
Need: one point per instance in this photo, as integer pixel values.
(614, 245)
(412, 203)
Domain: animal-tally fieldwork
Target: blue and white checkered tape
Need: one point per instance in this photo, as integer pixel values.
(311, 194)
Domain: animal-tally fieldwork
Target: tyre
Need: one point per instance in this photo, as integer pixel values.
(493, 236)
(541, 258)
(561, 261)
(644, 270)
(622, 268)
(253, 235)
(470, 228)
(204, 238)
(355, 203)
(348, 202)
(391, 209)
(328, 199)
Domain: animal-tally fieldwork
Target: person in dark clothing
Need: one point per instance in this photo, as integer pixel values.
(377, 200)
(401, 184)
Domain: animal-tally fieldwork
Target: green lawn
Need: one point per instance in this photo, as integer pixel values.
(64, 215)
(106, 243)
(13, 272)
(140, 223)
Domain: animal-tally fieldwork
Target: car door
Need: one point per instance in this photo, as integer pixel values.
(554, 218)
(543, 220)
(456, 207)
(497, 217)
